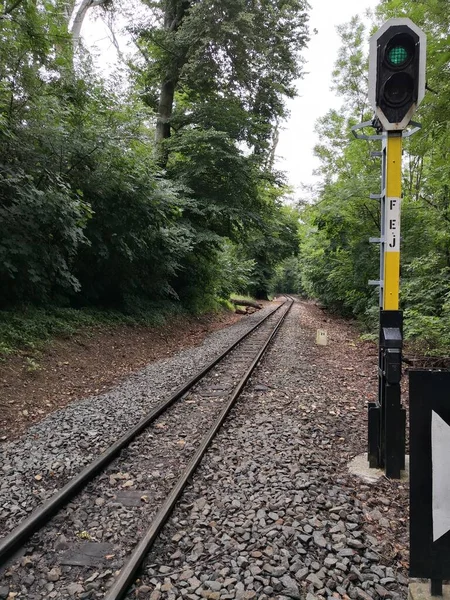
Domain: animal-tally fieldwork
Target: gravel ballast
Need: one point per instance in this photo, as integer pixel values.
(272, 511)
(42, 461)
(109, 515)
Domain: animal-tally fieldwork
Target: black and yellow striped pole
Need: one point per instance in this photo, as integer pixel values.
(391, 275)
(387, 437)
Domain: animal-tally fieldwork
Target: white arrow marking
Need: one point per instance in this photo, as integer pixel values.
(440, 448)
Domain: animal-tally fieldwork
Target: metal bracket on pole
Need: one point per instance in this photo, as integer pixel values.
(364, 136)
(379, 136)
(415, 128)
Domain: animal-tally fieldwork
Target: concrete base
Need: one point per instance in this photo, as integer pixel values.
(359, 466)
(422, 591)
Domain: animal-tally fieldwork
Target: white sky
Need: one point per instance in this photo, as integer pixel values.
(295, 148)
(297, 139)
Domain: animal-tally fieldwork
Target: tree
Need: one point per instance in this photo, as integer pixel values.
(208, 53)
(41, 217)
(78, 15)
(275, 240)
(337, 259)
(89, 215)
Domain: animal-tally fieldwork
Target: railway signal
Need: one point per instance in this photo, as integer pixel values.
(397, 72)
(396, 88)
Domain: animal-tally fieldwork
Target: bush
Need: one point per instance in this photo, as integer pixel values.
(42, 231)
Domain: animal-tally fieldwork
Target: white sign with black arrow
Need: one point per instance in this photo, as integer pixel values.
(440, 448)
(429, 444)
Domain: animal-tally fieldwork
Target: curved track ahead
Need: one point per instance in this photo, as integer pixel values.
(228, 372)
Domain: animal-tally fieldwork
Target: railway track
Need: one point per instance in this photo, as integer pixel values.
(111, 513)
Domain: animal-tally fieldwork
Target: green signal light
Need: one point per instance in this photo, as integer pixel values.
(397, 55)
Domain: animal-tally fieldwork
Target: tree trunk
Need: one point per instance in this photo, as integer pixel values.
(173, 18)
(273, 148)
(77, 23)
(165, 110)
(242, 302)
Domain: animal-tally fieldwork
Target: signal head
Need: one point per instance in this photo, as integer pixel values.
(397, 72)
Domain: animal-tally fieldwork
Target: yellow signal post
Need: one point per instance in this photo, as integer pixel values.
(393, 192)
(396, 88)
(387, 417)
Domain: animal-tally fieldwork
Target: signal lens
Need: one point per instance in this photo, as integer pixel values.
(400, 51)
(398, 89)
(397, 55)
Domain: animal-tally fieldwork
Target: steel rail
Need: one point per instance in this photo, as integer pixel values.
(127, 574)
(42, 514)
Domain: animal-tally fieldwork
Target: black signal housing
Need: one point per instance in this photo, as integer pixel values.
(398, 63)
(397, 72)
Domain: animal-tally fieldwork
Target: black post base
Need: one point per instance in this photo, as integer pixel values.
(436, 587)
(387, 417)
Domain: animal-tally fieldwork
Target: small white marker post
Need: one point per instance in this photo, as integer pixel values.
(321, 337)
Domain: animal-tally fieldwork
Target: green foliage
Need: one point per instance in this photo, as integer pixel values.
(32, 365)
(337, 260)
(42, 228)
(275, 239)
(41, 217)
(231, 63)
(287, 277)
(426, 294)
(87, 213)
(29, 328)
(235, 271)
(350, 72)
(137, 239)
(220, 205)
